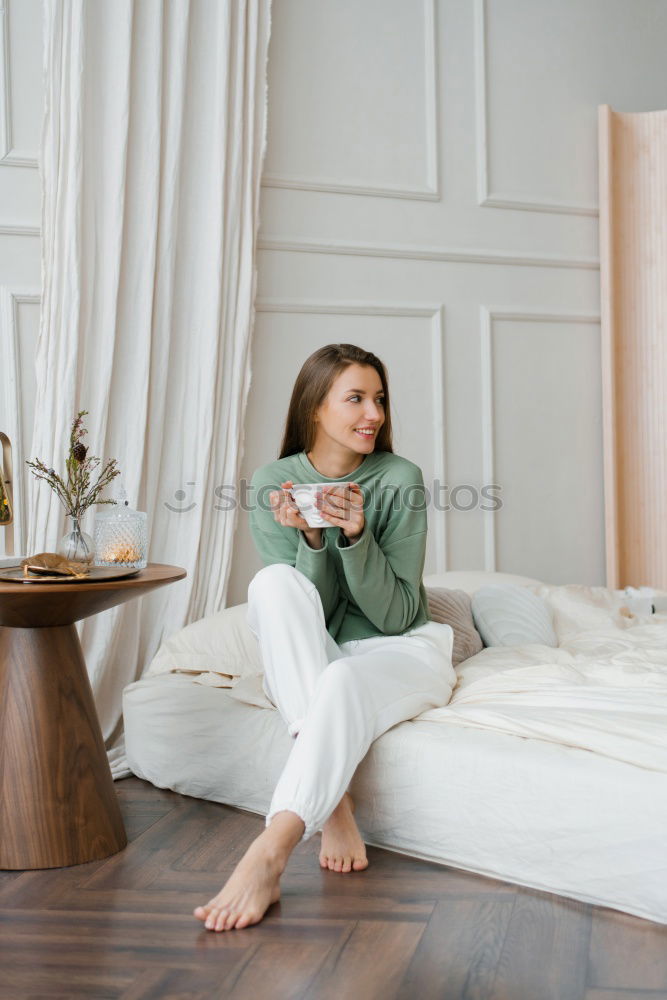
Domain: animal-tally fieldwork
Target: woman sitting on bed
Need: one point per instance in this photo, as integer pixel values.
(340, 614)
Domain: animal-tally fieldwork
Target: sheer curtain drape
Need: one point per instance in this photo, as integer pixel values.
(152, 149)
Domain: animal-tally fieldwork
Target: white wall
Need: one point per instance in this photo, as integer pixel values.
(430, 193)
(21, 100)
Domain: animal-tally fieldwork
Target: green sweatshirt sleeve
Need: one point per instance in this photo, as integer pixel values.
(384, 574)
(277, 543)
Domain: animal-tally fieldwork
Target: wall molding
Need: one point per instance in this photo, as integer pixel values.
(434, 313)
(9, 157)
(349, 308)
(485, 197)
(10, 301)
(14, 229)
(400, 251)
(431, 191)
(394, 251)
(487, 318)
(303, 183)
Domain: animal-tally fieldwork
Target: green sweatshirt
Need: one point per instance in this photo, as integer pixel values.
(373, 587)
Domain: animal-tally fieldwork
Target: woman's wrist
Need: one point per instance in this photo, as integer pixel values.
(314, 537)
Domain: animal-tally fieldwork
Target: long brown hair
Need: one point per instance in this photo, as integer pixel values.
(311, 387)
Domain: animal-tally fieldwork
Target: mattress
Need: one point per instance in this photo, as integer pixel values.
(539, 814)
(547, 769)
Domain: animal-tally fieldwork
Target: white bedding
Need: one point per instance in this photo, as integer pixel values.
(532, 812)
(603, 690)
(545, 769)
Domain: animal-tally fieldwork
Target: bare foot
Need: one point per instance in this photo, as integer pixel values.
(248, 892)
(342, 850)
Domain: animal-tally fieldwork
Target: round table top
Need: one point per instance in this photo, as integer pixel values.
(30, 605)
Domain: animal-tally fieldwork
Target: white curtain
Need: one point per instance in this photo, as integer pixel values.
(152, 149)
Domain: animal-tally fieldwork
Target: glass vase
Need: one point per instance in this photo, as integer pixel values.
(76, 545)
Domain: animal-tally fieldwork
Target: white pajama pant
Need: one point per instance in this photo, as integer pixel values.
(336, 699)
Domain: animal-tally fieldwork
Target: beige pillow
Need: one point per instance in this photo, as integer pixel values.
(454, 607)
(221, 643)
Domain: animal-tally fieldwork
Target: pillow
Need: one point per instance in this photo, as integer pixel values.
(473, 579)
(221, 643)
(577, 607)
(506, 615)
(453, 607)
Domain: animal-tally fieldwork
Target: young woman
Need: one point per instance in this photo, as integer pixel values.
(340, 614)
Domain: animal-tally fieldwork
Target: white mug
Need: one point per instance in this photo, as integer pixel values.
(303, 495)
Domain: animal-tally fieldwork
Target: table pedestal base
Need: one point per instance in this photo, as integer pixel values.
(58, 805)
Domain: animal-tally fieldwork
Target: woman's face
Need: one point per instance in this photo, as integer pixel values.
(354, 402)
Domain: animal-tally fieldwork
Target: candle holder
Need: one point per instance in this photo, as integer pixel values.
(121, 536)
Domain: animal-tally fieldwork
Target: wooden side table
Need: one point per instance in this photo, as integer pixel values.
(58, 805)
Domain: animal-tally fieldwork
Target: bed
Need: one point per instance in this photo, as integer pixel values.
(547, 768)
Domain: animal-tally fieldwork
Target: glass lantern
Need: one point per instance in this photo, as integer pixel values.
(121, 536)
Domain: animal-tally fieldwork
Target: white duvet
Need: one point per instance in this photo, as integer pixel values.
(604, 688)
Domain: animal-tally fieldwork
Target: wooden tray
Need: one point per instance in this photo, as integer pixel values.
(96, 574)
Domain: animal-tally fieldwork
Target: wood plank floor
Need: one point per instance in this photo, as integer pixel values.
(403, 929)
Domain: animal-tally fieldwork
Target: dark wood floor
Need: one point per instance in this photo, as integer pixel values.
(404, 928)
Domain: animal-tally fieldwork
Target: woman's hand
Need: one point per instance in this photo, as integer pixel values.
(342, 506)
(286, 512)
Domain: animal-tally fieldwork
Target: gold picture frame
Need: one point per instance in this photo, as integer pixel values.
(6, 504)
